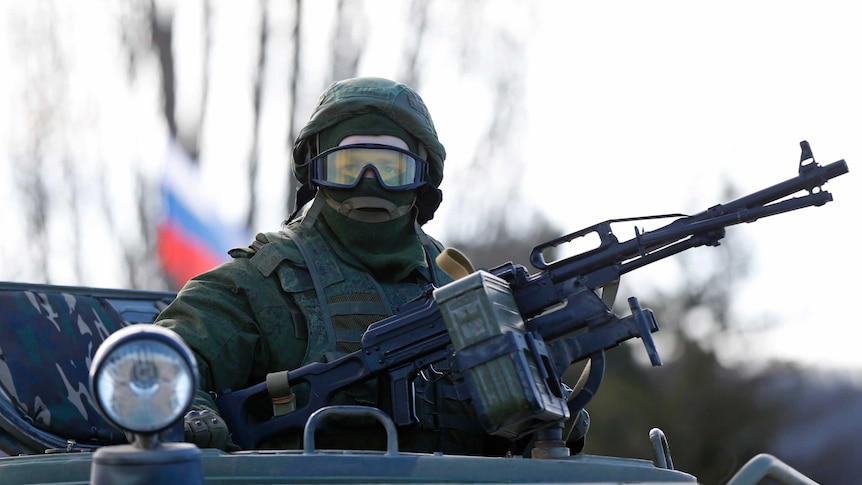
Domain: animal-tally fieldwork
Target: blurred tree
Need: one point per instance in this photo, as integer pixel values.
(253, 159)
(417, 22)
(147, 29)
(498, 151)
(821, 435)
(501, 224)
(348, 40)
(42, 111)
(293, 112)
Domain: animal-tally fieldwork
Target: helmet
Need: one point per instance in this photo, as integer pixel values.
(352, 97)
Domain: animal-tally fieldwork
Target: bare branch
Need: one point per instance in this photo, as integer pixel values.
(415, 42)
(292, 92)
(162, 42)
(254, 154)
(347, 40)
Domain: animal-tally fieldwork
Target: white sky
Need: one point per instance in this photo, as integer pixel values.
(638, 108)
(633, 108)
(661, 101)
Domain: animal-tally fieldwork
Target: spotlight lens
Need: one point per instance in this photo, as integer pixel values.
(143, 384)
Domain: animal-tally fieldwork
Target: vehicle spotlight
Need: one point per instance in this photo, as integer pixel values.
(143, 378)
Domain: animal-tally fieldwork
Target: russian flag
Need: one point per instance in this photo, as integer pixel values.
(191, 237)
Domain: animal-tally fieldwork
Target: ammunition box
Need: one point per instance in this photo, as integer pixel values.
(511, 387)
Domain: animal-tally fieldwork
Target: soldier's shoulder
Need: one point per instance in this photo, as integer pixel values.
(268, 251)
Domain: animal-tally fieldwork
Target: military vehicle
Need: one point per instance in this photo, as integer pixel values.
(53, 431)
(91, 392)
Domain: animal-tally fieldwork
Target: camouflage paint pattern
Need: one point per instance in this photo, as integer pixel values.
(47, 343)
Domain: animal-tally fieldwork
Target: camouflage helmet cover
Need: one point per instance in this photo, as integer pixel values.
(351, 97)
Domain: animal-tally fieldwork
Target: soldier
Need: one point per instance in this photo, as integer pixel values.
(369, 164)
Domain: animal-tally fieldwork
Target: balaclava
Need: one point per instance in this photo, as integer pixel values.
(374, 227)
(354, 97)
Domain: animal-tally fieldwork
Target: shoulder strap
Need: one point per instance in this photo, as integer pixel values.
(315, 280)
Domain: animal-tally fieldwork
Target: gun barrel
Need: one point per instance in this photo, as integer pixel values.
(763, 203)
(810, 178)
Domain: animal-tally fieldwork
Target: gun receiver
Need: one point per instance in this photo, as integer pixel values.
(554, 318)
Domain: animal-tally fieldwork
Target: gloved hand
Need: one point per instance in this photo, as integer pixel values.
(205, 428)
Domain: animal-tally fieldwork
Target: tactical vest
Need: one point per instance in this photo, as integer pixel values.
(338, 303)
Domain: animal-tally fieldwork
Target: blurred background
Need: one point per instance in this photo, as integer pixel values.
(139, 140)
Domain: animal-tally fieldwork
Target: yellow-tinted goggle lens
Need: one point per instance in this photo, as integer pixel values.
(345, 167)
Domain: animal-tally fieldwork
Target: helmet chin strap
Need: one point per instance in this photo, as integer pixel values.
(369, 209)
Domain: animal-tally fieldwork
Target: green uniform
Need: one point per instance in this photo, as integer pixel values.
(260, 313)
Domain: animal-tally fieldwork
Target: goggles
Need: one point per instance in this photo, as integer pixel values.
(344, 166)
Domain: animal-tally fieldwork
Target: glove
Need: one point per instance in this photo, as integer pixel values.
(205, 428)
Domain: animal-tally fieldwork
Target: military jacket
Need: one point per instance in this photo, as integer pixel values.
(260, 313)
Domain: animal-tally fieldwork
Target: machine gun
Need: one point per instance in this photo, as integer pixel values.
(508, 335)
